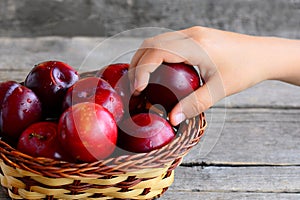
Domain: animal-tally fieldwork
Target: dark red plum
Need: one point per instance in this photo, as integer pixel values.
(50, 81)
(117, 76)
(96, 90)
(171, 82)
(41, 140)
(88, 131)
(113, 73)
(144, 132)
(19, 108)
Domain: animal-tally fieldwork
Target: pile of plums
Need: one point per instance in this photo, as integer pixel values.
(57, 114)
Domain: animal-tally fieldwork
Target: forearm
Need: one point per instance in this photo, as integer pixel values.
(251, 58)
(282, 59)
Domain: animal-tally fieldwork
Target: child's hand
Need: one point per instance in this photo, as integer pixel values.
(228, 63)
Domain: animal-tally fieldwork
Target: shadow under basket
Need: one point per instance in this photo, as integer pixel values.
(138, 176)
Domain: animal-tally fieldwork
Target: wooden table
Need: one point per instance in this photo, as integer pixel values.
(251, 148)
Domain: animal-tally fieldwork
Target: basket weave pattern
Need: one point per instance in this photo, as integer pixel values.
(136, 176)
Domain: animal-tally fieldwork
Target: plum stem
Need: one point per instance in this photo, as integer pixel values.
(38, 136)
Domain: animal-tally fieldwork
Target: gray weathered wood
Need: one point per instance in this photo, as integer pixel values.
(270, 94)
(171, 195)
(80, 52)
(263, 179)
(236, 183)
(261, 136)
(105, 18)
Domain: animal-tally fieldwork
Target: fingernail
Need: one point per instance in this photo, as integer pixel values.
(135, 84)
(133, 88)
(178, 118)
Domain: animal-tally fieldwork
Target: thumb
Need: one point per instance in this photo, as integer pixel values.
(198, 101)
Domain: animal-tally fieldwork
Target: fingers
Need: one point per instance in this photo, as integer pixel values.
(181, 50)
(198, 101)
(149, 62)
(169, 47)
(156, 43)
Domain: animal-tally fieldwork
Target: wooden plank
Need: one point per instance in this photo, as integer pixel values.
(249, 136)
(215, 182)
(18, 76)
(3, 195)
(19, 55)
(270, 94)
(80, 52)
(69, 18)
(171, 195)
(261, 179)
(228, 196)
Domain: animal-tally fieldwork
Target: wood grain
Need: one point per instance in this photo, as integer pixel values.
(261, 179)
(32, 18)
(171, 195)
(215, 182)
(258, 136)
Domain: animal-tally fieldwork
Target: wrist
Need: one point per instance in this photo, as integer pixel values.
(281, 59)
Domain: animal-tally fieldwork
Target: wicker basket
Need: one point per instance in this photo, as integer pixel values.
(138, 176)
(135, 176)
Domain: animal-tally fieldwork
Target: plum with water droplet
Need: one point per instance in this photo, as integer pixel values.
(41, 140)
(88, 131)
(50, 81)
(95, 90)
(144, 132)
(19, 108)
(116, 75)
